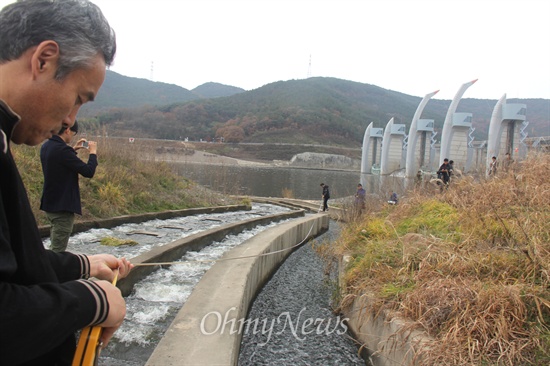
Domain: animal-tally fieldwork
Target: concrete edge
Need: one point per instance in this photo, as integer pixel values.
(176, 249)
(335, 213)
(385, 336)
(208, 328)
(81, 226)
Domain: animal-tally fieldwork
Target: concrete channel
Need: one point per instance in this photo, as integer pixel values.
(176, 249)
(227, 290)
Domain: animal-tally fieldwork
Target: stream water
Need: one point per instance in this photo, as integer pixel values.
(155, 233)
(295, 305)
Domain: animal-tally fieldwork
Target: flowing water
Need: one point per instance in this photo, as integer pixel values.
(296, 325)
(155, 233)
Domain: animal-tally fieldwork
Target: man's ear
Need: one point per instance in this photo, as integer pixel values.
(44, 58)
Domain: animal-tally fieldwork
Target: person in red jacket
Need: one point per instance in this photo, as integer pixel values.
(53, 57)
(61, 194)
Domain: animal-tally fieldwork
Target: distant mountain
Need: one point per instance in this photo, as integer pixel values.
(119, 91)
(216, 90)
(318, 110)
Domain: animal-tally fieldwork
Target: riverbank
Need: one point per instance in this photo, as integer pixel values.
(469, 266)
(188, 153)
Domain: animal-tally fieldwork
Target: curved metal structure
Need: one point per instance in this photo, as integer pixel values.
(365, 164)
(410, 163)
(493, 140)
(386, 149)
(448, 131)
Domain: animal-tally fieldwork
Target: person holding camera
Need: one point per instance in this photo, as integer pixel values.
(61, 194)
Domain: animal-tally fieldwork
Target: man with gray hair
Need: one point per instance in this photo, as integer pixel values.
(53, 57)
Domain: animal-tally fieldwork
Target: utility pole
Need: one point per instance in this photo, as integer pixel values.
(309, 68)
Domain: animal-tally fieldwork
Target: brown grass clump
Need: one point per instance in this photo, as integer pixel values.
(469, 266)
(472, 322)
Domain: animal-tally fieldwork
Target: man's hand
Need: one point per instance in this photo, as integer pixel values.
(103, 266)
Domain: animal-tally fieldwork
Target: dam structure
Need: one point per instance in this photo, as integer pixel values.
(409, 159)
(456, 140)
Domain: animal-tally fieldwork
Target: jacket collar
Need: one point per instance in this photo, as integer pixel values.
(8, 119)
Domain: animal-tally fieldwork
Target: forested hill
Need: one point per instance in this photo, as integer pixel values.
(119, 91)
(309, 111)
(216, 90)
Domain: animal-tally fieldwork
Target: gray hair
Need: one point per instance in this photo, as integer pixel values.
(78, 27)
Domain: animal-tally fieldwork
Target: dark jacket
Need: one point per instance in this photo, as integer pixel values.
(444, 171)
(43, 298)
(61, 167)
(326, 192)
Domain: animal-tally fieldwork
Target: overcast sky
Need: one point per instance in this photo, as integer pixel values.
(410, 46)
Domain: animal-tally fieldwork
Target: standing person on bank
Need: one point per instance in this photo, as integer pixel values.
(61, 194)
(325, 196)
(360, 196)
(53, 57)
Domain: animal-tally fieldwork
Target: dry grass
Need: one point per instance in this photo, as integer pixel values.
(469, 266)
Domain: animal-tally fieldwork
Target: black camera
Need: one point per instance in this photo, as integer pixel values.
(85, 144)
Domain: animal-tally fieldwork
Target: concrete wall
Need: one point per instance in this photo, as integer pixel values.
(422, 152)
(197, 336)
(395, 153)
(311, 159)
(384, 335)
(458, 150)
